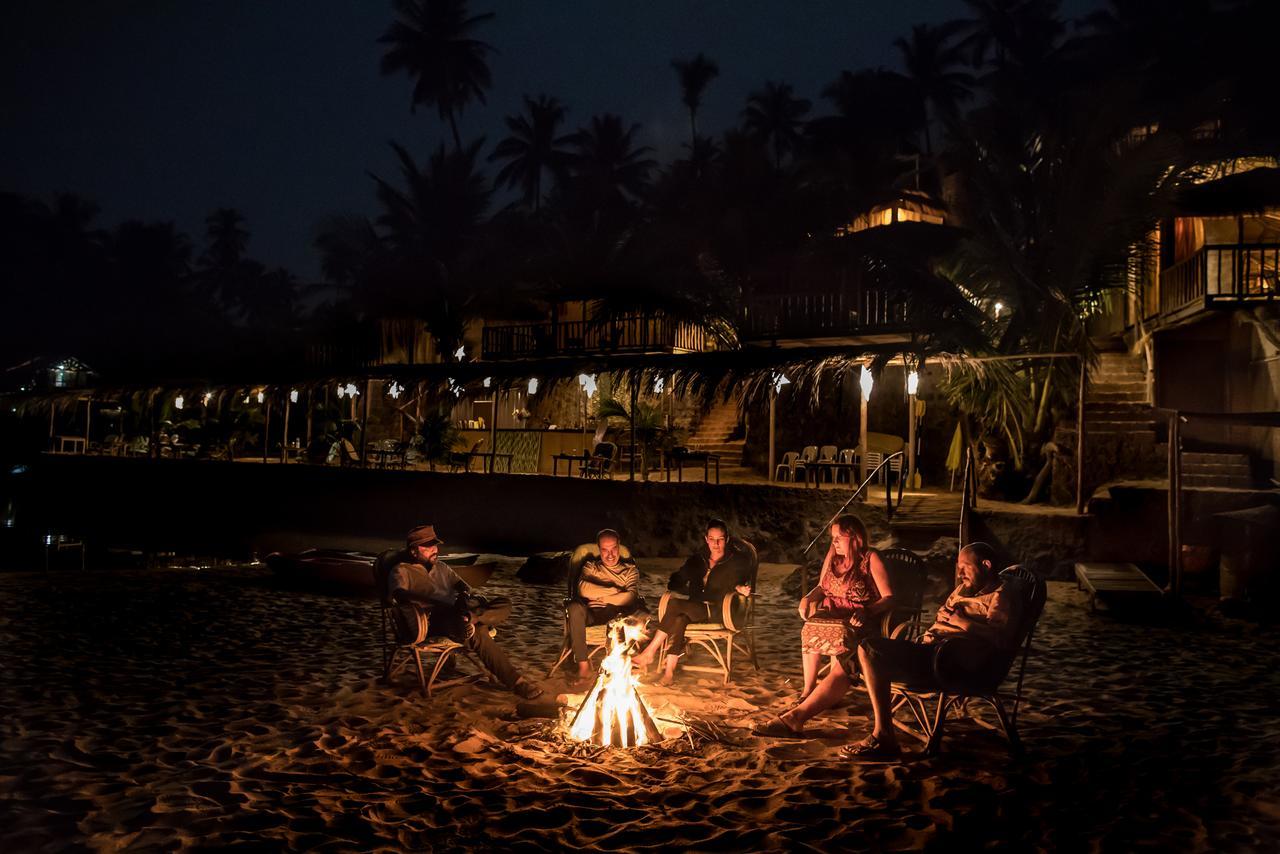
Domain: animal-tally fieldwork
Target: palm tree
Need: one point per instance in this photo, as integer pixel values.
(227, 238)
(607, 160)
(694, 74)
(432, 42)
(532, 149)
(931, 62)
(775, 116)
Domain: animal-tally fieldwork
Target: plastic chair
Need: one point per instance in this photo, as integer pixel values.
(790, 462)
(847, 459)
(827, 454)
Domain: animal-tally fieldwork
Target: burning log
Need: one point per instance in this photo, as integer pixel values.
(613, 713)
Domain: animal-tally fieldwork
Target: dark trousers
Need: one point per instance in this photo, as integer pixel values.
(680, 613)
(580, 616)
(474, 635)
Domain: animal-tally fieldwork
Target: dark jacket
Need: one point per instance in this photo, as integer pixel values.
(733, 570)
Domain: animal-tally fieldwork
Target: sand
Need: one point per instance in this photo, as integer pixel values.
(175, 708)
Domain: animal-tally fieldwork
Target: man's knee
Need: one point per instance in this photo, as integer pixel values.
(577, 613)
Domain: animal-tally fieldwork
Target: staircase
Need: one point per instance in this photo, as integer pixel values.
(713, 431)
(1116, 400)
(1203, 468)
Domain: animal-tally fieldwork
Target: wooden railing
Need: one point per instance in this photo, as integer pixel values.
(821, 315)
(1222, 273)
(635, 334)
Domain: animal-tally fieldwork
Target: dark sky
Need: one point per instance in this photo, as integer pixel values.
(166, 110)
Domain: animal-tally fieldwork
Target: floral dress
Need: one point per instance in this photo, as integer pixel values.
(828, 632)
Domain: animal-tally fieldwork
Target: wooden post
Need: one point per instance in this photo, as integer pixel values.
(88, 419)
(1175, 505)
(493, 431)
(862, 439)
(1080, 431)
(266, 428)
(364, 420)
(635, 396)
(309, 408)
(773, 425)
(911, 441)
(53, 407)
(284, 442)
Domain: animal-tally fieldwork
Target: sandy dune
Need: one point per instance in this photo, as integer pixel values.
(207, 708)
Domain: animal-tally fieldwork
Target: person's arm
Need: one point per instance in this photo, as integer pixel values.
(679, 582)
(995, 627)
(742, 583)
(880, 576)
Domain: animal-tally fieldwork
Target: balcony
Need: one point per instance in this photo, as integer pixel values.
(859, 313)
(631, 334)
(1224, 275)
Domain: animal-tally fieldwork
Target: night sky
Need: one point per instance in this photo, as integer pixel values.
(166, 110)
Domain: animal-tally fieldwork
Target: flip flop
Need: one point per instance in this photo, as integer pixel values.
(777, 728)
(871, 749)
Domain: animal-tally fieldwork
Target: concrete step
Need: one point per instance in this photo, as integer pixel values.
(1110, 384)
(1101, 426)
(1226, 470)
(1117, 397)
(1219, 480)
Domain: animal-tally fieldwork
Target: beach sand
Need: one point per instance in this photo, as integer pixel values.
(168, 708)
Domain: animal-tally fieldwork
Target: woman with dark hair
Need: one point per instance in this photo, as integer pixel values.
(852, 590)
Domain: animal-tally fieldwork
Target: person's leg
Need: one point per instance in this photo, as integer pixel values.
(878, 684)
(884, 661)
(495, 612)
(577, 615)
(827, 693)
(678, 611)
(810, 663)
(686, 613)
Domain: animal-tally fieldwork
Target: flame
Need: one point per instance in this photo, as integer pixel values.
(613, 713)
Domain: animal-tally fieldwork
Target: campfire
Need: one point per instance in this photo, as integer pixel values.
(613, 713)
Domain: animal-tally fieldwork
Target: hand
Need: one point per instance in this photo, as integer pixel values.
(805, 605)
(855, 620)
(743, 589)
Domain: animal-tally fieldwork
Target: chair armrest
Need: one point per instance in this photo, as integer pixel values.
(906, 631)
(726, 611)
(662, 604)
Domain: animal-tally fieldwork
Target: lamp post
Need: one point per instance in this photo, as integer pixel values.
(865, 382)
(913, 386)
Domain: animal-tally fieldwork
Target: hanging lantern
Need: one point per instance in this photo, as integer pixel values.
(460, 353)
(588, 383)
(779, 380)
(352, 391)
(487, 380)
(658, 385)
(866, 382)
(293, 395)
(533, 385)
(261, 397)
(342, 390)
(178, 402)
(208, 396)
(913, 382)
(394, 390)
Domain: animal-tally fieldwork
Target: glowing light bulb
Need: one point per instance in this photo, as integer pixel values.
(261, 397)
(533, 385)
(293, 395)
(178, 402)
(779, 380)
(913, 382)
(866, 382)
(394, 390)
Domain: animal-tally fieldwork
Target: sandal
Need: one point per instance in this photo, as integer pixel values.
(871, 749)
(777, 728)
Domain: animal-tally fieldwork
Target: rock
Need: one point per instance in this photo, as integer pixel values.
(791, 584)
(545, 568)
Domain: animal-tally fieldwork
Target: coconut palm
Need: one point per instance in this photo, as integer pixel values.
(932, 61)
(607, 162)
(775, 116)
(695, 75)
(533, 149)
(228, 239)
(432, 41)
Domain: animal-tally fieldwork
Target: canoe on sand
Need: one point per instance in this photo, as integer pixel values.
(352, 571)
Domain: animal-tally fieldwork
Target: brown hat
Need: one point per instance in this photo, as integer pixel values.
(423, 535)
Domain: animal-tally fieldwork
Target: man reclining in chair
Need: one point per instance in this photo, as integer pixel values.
(981, 614)
(454, 611)
(720, 567)
(608, 588)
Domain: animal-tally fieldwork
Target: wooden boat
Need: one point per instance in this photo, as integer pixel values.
(345, 571)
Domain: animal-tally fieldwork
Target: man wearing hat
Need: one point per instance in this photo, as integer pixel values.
(455, 611)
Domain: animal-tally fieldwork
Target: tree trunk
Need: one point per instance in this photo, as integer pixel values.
(453, 125)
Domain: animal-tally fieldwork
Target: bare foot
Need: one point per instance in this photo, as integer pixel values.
(667, 678)
(640, 662)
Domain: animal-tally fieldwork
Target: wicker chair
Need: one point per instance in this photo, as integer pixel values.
(737, 612)
(397, 650)
(947, 693)
(596, 640)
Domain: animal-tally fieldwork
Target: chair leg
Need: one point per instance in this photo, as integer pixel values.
(728, 661)
(938, 725)
(1009, 724)
(564, 653)
(422, 676)
(440, 663)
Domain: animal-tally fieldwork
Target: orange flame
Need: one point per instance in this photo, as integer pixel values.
(613, 713)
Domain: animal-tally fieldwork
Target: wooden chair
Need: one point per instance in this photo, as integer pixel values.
(398, 649)
(947, 693)
(596, 640)
(462, 459)
(737, 612)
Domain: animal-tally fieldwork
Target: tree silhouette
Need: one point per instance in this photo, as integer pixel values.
(932, 62)
(607, 161)
(533, 149)
(694, 75)
(227, 239)
(432, 42)
(775, 116)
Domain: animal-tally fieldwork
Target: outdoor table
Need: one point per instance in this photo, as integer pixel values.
(679, 460)
(76, 443)
(570, 458)
(813, 471)
(379, 456)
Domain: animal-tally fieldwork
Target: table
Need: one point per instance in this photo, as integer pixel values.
(76, 443)
(381, 457)
(679, 460)
(813, 471)
(570, 459)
